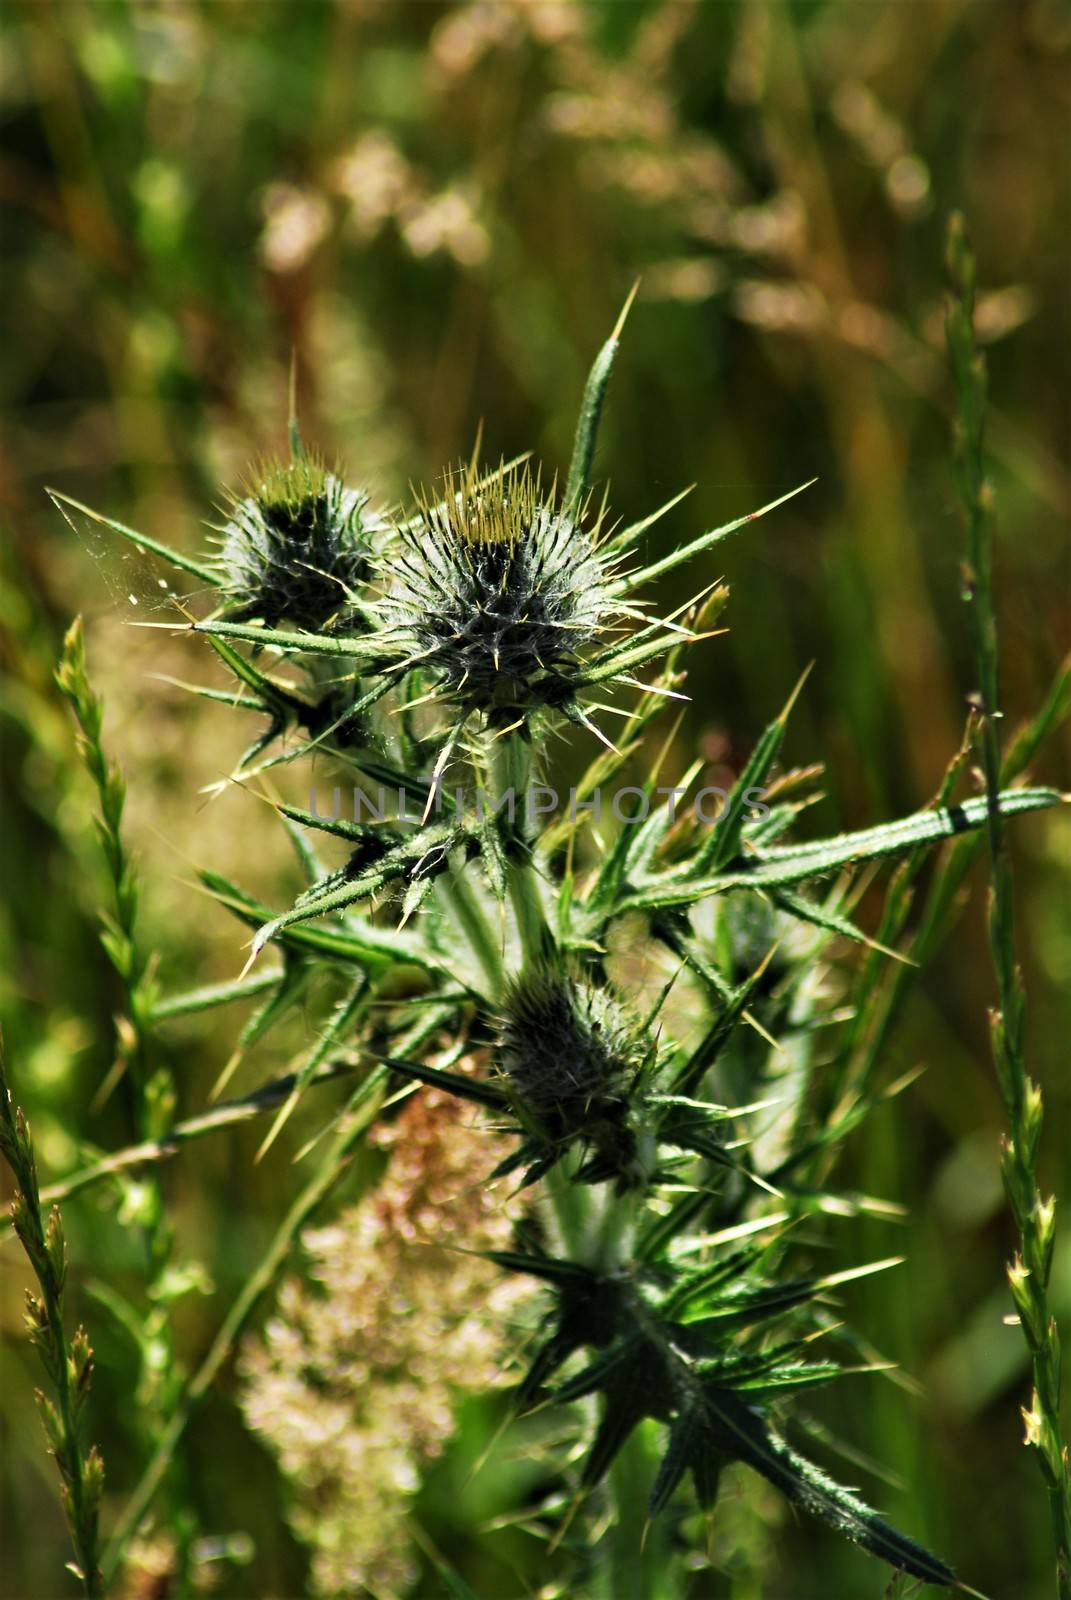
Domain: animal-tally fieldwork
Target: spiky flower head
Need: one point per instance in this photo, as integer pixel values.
(574, 1059)
(500, 590)
(296, 545)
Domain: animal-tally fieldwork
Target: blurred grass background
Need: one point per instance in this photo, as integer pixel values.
(440, 208)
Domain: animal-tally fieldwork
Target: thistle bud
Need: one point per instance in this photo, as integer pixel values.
(572, 1057)
(498, 591)
(296, 546)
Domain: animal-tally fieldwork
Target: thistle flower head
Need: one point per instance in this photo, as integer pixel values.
(573, 1059)
(295, 546)
(500, 591)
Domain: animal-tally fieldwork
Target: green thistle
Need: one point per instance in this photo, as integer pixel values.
(654, 1234)
(573, 1059)
(296, 547)
(498, 592)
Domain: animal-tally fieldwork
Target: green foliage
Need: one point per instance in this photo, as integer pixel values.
(428, 211)
(638, 1134)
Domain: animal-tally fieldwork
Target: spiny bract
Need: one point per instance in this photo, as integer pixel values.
(296, 547)
(500, 589)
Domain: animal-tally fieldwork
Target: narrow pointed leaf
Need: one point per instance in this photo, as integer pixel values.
(349, 647)
(796, 864)
(596, 1375)
(685, 1437)
(474, 1089)
(658, 1234)
(213, 994)
(550, 1268)
(175, 558)
(273, 694)
(341, 1022)
(621, 1413)
(804, 1375)
(704, 542)
(635, 531)
(830, 921)
(587, 427)
(614, 664)
(743, 1433)
(402, 861)
(707, 1279)
(718, 1035)
(923, 827)
(360, 942)
(723, 843)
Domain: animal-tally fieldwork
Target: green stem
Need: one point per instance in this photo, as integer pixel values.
(640, 1564)
(267, 1098)
(512, 774)
(474, 923)
(571, 1205)
(637, 1563)
(1030, 1271)
(153, 1090)
(528, 909)
(67, 1363)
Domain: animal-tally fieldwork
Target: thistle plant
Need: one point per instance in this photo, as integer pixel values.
(639, 1003)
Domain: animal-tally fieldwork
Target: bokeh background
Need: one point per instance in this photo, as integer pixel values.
(439, 208)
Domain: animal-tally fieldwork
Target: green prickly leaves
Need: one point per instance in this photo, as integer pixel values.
(791, 864)
(474, 1089)
(414, 857)
(723, 843)
(358, 942)
(739, 1430)
(142, 541)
